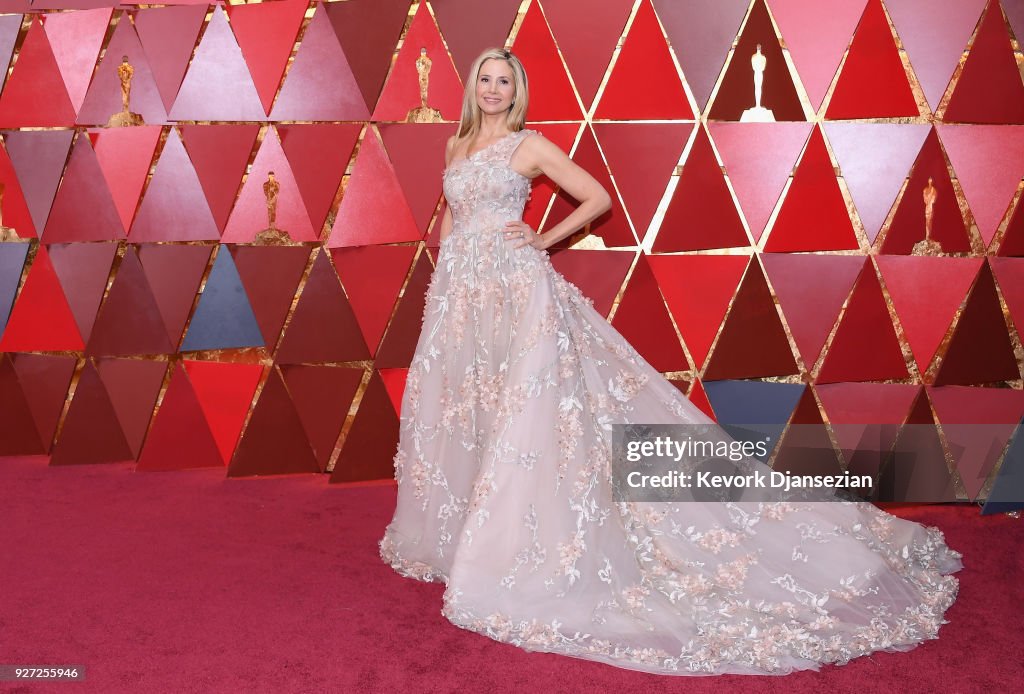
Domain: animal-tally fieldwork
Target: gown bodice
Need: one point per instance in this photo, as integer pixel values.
(483, 191)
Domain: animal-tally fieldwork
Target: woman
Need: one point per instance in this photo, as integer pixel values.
(504, 490)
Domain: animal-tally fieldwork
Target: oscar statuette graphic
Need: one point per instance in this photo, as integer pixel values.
(758, 114)
(272, 235)
(125, 117)
(6, 233)
(928, 246)
(423, 113)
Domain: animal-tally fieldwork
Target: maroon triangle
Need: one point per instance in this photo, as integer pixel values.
(701, 213)
(980, 349)
(319, 154)
(83, 269)
(368, 452)
(323, 327)
(805, 448)
(220, 154)
(19, 435)
(83, 209)
(129, 321)
(398, 346)
(91, 433)
(644, 321)
(989, 89)
(948, 226)
(45, 380)
(270, 275)
(598, 274)
(1013, 239)
(174, 272)
(369, 31)
(752, 342)
(322, 397)
(410, 147)
(274, 441)
(865, 346)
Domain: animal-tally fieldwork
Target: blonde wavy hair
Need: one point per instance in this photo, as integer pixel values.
(515, 119)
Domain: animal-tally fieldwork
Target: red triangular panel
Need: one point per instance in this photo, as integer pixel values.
(470, 26)
(133, 385)
(1009, 274)
(990, 88)
(400, 340)
(20, 436)
(369, 31)
(38, 157)
(129, 320)
(698, 289)
(642, 319)
(266, 35)
(644, 60)
(401, 92)
(319, 155)
(811, 291)
(270, 275)
(173, 272)
(220, 154)
(873, 82)
(641, 157)
(598, 274)
(180, 438)
(980, 349)
(700, 398)
(174, 207)
(373, 209)
(372, 277)
(752, 341)
(322, 396)
(274, 441)
(323, 327)
(168, 35)
(15, 209)
(76, 38)
(91, 432)
(83, 269)
(83, 209)
(759, 158)
(45, 380)
(701, 213)
(865, 346)
(35, 94)
(224, 392)
(926, 293)
(370, 444)
(394, 382)
(813, 216)
(41, 320)
(551, 94)
(319, 84)
(124, 156)
(417, 153)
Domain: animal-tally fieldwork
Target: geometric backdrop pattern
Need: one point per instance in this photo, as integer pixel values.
(140, 322)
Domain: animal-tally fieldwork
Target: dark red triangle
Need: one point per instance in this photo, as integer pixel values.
(174, 272)
(83, 269)
(220, 154)
(598, 274)
(319, 154)
(990, 89)
(613, 226)
(83, 209)
(91, 432)
(873, 82)
(129, 321)
(322, 397)
(813, 215)
(980, 349)
(168, 35)
(400, 340)
(323, 327)
(701, 213)
(369, 31)
(369, 447)
(908, 223)
(551, 93)
(470, 26)
(373, 276)
(865, 346)
(736, 90)
(15, 211)
(417, 153)
(45, 380)
(225, 392)
(180, 438)
(752, 342)
(1013, 239)
(270, 275)
(19, 435)
(643, 320)
(274, 441)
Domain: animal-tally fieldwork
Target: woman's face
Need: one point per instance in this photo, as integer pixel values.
(495, 87)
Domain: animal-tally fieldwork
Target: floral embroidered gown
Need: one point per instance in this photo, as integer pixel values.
(504, 488)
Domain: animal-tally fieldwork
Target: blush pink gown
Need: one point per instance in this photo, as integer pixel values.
(504, 489)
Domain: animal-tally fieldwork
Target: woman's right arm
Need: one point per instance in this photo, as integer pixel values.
(446, 218)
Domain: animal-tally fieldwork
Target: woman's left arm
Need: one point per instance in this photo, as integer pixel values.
(542, 156)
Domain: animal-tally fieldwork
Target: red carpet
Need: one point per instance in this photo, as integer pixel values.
(190, 582)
